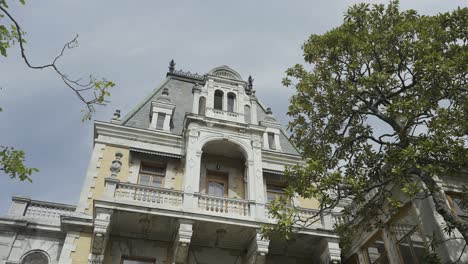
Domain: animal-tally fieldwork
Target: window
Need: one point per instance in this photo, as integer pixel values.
(217, 184)
(218, 100)
(35, 257)
(160, 121)
(202, 106)
(271, 141)
(375, 252)
(247, 114)
(410, 242)
(152, 175)
(275, 192)
(458, 203)
(137, 260)
(231, 100)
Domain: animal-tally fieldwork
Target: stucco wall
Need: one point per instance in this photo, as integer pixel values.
(82, 247)
(103, 171)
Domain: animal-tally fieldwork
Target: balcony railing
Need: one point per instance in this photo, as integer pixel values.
(304, 217)
(223, 206)
(160, 197)
(40, 211)
(154, 197)
(225, 115)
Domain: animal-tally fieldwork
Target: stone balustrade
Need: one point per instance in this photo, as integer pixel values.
(303, 217)
(223, 206)
(160, 197)
(225, 115)
(40, 211)
(203, 204)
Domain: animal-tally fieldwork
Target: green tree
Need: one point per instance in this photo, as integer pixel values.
(91, 92)
(381, 101)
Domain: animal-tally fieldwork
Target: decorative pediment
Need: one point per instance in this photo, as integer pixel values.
(225, 72)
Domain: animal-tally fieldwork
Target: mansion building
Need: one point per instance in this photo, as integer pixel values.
(185, 177)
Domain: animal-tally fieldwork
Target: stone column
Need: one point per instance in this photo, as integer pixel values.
(196, 98)
(154, 120)
(191, 181)
(182, 241)
(225, 101)
(257, 251)
(102, 221)
(255, 180)
(167, 122)
(253, 110)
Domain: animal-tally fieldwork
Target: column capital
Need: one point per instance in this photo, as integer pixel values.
(258, 249)
(182, 241)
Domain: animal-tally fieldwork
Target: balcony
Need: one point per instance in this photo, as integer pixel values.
(224, 115)
(205, 205)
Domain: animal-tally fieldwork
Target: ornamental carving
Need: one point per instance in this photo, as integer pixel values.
(116, 164)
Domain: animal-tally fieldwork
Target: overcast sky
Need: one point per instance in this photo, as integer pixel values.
(131, 43)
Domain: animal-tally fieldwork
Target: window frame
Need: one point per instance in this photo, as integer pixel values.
(378, 235)
(152, 175)
(454, 206)
(221, 96)
(272, 144)
(231, 96)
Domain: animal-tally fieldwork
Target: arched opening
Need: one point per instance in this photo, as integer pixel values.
(218, 100)
(231, 102)
(223, 171)
(201, 106)
(247, 114)
(35, 257)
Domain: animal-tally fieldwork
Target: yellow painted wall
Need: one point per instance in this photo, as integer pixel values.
(108, 156)
(82, 249)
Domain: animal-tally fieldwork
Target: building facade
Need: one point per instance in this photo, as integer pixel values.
(185, 177)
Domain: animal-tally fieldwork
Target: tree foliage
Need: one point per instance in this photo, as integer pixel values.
(382, 101)
(91, 92)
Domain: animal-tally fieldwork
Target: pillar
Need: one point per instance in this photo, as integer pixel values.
(191, 181)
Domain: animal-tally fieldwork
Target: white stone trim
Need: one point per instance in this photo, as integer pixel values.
(91, 175)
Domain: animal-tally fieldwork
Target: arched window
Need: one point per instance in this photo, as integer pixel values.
(218, 100)
(35, 257)
(231, 102)
(201, 106)
(247, 114)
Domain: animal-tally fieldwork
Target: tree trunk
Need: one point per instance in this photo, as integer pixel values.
(440, 201)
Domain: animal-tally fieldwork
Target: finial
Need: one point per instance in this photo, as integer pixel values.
(171, 66)
(165, 91)
(116, 116)
(268, 111)
(250, 81)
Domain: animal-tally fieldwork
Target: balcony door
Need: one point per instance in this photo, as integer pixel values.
(217, 183)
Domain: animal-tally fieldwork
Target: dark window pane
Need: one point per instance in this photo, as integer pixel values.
(231, 100)
(144, 179)
(218, 100)
(271, 141)
(160, 121)
(216, 189)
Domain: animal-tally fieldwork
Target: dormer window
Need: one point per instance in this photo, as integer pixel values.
(231, 100)
(161, 112)
(218, 100)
